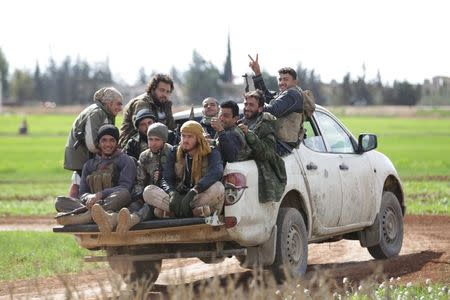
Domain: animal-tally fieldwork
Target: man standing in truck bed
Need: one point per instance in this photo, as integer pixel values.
(156, 99)
(286, 106)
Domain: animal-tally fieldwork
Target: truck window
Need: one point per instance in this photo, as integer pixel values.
(312, 139)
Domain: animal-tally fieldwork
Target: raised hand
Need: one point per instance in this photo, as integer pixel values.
(254, 65)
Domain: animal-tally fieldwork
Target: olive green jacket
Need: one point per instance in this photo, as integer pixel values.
(271, 169)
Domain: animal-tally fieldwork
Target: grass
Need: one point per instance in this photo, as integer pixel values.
(39, 254)
(427, 197)
(11, 208)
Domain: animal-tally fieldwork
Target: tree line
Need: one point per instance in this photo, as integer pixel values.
(74, 81)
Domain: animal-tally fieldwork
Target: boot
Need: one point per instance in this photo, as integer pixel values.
(126, 220)
(75, 219)
(106, 221)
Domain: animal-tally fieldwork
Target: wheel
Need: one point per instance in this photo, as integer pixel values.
(391, 228)
(133, 271)
(291, 255)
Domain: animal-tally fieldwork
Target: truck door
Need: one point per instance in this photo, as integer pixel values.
(322, 175)
(354, 169)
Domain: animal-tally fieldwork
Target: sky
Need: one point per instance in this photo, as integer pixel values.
(403, 40)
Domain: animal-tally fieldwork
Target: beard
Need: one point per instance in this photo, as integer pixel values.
(250, 115)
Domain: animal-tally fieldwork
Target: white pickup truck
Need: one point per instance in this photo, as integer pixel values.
(338, 187)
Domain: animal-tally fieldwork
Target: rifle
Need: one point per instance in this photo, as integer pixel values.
(247, 88)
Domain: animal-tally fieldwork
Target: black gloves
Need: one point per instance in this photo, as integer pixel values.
(181, 204)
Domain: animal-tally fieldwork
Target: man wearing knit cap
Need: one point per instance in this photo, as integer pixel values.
(80, 144)
(191, 178)
(149, 172)
(138, 143)
(106, 183)
(210, 110)
(155, 99)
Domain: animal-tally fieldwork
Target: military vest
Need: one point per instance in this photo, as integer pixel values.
(289, 128)
(105, 176)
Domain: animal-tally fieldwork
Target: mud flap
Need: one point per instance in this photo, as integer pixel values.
(264, 254)
(371, 235)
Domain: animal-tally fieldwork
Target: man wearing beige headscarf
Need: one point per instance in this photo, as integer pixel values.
(191, 183)
(80, 144)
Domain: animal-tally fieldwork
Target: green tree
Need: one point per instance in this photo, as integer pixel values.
(39, 92)
(202, 80)
(4, 73)
(142, 77)
(22, 86)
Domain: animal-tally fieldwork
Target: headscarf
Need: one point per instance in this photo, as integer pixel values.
(201, 152)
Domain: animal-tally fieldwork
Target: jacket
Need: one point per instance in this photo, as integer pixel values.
(271, 169)
(124, 166)
(212, 171)
(87, 123)
(163, 112)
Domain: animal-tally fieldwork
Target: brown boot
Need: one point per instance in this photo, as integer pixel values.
(126, 220)
(106, 221)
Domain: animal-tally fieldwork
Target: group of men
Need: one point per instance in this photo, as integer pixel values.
(142, 171)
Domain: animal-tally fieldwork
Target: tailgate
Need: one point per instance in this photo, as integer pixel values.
(160, 231)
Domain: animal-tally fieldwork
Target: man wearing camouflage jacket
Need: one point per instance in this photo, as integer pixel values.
(149, 172)
(156, 99)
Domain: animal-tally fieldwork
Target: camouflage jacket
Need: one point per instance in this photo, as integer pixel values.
(149, 170)
(136, 145)
(271, 170)
(87, 124)
(163, 113)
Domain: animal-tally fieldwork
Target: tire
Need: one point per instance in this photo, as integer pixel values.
(391, 228)
(133, 271)
(291, 256)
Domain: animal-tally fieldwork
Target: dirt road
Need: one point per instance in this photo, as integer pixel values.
(425, 255)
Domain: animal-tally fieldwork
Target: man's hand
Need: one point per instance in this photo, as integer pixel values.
(244, 128)
(254, 65)
(186, 209)
(156, 176)
(216, 124)
(92, 199)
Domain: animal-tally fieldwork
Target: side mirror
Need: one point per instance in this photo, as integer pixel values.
(367, 142)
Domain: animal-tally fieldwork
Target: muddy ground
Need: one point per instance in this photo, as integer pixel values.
(425, 255)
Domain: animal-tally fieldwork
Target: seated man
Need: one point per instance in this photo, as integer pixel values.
(191, 180)
(259, 130)
(138, 143)
(149, 172)
(230, 139)
(210, 110)
(105, 186)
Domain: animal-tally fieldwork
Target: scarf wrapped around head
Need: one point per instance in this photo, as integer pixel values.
(202, 149)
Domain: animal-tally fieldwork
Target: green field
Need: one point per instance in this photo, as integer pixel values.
(31, 166)
(39, 254)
